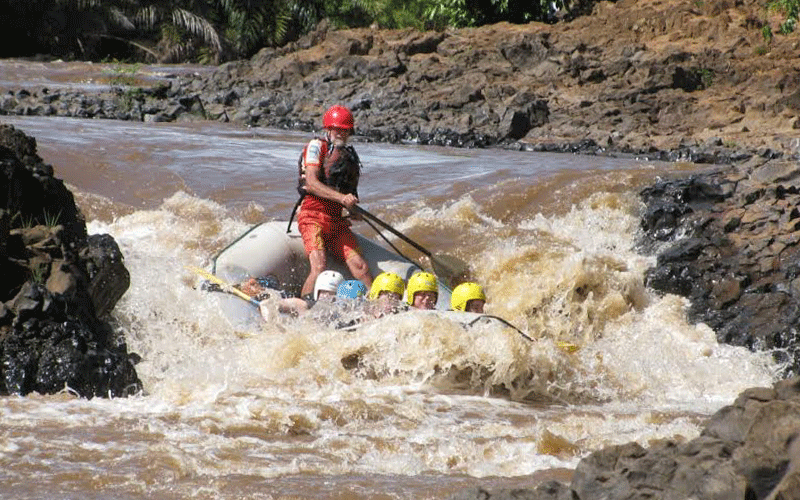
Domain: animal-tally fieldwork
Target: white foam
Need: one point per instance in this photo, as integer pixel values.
(429, 396)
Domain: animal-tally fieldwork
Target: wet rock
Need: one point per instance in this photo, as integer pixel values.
(552, 490)
(57, 283)
(728, 240)
(606, 92)
(700, 468)
(768, 445)
(109, 279)
(747, 450)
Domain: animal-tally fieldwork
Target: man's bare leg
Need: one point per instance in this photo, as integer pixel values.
(316, 259)
(359, 269)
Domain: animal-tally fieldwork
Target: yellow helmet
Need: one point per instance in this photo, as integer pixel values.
(421, 282)
(387, 282)
(465, 292)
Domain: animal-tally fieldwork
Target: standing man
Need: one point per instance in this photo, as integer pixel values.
(329, 170)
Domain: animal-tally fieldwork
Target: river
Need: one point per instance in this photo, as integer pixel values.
(270, 412)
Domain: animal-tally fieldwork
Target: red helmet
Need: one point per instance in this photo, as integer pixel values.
(338, 117)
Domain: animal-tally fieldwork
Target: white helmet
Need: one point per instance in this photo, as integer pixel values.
(328, 281)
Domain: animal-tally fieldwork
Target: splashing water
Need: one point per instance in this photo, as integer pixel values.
(411, 406)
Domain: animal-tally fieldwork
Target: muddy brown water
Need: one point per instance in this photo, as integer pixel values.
(268, 411)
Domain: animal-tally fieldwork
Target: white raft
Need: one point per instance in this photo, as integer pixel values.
(268, 250)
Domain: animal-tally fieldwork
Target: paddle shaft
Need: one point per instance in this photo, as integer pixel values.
(394, 231)
(219, 281)
(561, 344)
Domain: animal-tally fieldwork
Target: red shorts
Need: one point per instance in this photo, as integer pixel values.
(320, 231)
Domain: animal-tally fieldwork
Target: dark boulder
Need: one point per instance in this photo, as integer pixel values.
(108, 277)
(58, 286)
(748, 450)
(729, 241)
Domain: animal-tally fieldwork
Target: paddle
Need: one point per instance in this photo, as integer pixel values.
(561, 344)
(446, 266)
(223, 284)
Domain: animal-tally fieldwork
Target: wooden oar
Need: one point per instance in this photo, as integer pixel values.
(223, 284)
(446, 266)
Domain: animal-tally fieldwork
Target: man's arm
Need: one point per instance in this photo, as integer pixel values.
(316, 187)
(293, 306)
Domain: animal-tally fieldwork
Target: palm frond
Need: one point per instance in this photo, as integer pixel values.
(120, 19)
(147, 16)
(198, 26)
(178, 52)
(80, 4)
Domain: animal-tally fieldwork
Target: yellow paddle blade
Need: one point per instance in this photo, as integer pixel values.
(219, 281)
(567, 346)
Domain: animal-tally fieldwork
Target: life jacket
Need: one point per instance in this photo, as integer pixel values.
(340, 170)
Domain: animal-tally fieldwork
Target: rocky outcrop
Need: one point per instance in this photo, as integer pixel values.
(748, 450)
(663, 79)
(58, 284)
(729, 240)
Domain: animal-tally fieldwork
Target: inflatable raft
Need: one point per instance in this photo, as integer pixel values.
(267, 249)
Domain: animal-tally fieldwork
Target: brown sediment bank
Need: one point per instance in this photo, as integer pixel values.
(672, 80)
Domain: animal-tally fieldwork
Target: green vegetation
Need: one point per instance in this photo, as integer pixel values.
(39, 273)
(123, 82)
(29, 221)
(124, 75)
(128, 98)
(706, 77)
(51, 220)
(390, 14)
(212, 31)
(25, 221)
(435, 14)
(790, 9)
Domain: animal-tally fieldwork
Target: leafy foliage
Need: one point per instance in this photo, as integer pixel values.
(248, 25)
(766, 32)
(182, 30)
(789, 8)
(393, 14)
(436, 14)
(214, 30)
(51, 220)
(449, 13)
(707, 77)
(460, 13)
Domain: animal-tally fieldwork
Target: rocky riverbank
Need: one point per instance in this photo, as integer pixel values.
(669, 80)
(59, 284)
(748, 450)
(728, 240)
